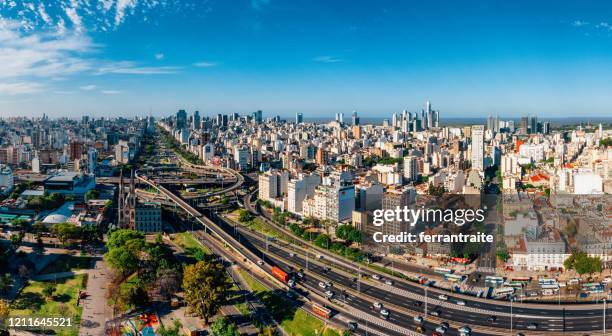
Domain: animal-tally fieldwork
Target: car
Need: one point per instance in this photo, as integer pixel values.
(444, 325)
(329, 294)
(440, 330)
(384, 313)
(492, 318)
(532, 326)
(290, 295)
(292, 254)
(434, 313)
(300, 274)
(461, 302)
(442, 297)
(260, 262)
(377, 305)
(352, 325)
(322, 285)
(389, 282)
(418, 319)
(417, 303)
(375, 276)
(328, 284)
(291, 283)
(465, 330)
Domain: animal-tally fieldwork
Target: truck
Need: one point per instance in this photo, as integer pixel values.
(280, 274)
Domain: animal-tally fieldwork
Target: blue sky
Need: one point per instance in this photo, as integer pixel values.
(470, 58)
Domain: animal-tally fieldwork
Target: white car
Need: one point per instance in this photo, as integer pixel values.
(375, 277)
(461, 302)
(532, 326)
(322, 285)
(607, 279)
(389, 282)
(418, 319)
(465, 330)
(291, 283)
(442, 297)
(260, 262)
(329, 294)
(384, 313)
(377, 305)
(441, 330)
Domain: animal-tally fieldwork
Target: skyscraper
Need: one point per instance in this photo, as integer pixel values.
(299, 118)
(355, 118)
(411, 172)
(196, 120)
(478, 147)
(524, 125)
(181, 119)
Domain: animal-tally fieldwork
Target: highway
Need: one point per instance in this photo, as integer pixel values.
(404, 296)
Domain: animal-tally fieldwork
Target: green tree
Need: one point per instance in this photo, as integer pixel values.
(323, 240)
(48, 290)
(205, 284)
(132, 294)
(223, 326)
(245, 216)
(92, 194)
(503, 255)
(174, 330)
(5, 283)
(582, 263)
(65, 232)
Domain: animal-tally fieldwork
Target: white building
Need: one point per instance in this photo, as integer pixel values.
(478, 147)
(411, 172)
(334, 202)
(92, 160)
(6, 179)
(586, 183)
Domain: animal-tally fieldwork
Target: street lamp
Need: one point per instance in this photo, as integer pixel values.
(604, 316)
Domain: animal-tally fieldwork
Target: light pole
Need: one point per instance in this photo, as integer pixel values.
(604, 316)
(425, 300)
(511, 300)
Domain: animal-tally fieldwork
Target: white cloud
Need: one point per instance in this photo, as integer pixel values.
(17, 88)
(88, 87)
(159, 56)
(43, 13)
(130, 68)
(326, 59)
(579, 23)
(43, 55)
(110, 92)
(121, 6)
(205, 64)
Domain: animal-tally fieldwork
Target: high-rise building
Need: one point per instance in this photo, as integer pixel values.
(394, 198)
(321, 157)
(490, 123)
(411, 172)
(92, 160)
(524, 126)
(196, 120)
(299, 118)
(478, 147)
(533, 125)
(355, 118)
(181, 119)
(257, 116)
(76, 150)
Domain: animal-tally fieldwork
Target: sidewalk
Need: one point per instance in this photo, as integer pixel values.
(95, 308)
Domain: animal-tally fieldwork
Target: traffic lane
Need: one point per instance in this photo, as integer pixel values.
(400, 319)
(457, 315)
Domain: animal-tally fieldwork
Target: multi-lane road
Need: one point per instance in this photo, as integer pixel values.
(403, 299)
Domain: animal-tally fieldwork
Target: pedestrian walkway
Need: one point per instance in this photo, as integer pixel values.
(95, 308)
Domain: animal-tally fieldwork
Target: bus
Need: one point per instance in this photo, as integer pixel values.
(441, 270)
(593, 287)
(554, 286)
(546, 281)
(321, 311)
(493, 280)
(454, 277)
(504, 291)
(524, 280)
(515, 284)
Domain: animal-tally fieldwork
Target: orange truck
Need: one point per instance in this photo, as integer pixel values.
(280, 274)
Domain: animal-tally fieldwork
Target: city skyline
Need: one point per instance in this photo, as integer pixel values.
(142, 57)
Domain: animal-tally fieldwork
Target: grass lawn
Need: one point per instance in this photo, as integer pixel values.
(67, 263)
(32, 303)
(258, 225)
(189, 243)
(293, 320)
